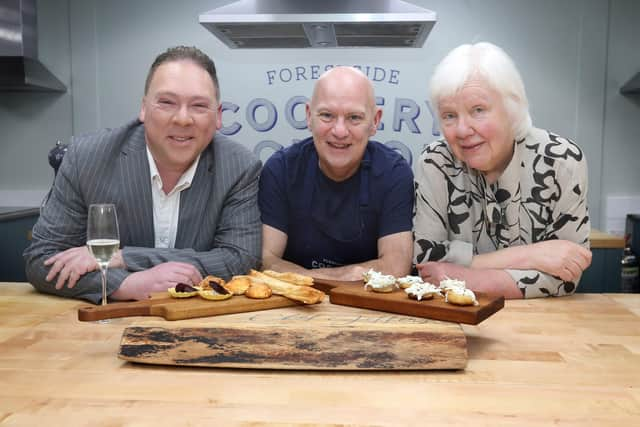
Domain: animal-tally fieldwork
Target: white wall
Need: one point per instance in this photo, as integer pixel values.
(573, 54)
(620, 193)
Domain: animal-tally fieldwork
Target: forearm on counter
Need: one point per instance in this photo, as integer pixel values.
(490, 281)
(517, 257)
(347, 272)
(350, 272)
(494, 282)
(224, 262)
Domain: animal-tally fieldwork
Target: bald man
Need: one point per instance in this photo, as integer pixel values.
(336, 204)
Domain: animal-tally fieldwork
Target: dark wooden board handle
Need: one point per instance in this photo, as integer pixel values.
(92, 313)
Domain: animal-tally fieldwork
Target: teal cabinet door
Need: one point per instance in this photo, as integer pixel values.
(603, 275)
(15, 236)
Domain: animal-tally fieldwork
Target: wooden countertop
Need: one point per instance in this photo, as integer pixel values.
(569, 361)
(601, 240)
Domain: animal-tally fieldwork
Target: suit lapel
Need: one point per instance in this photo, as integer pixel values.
(194, 202)
(136, 190)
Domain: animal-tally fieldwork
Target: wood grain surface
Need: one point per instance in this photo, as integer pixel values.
(169, 308)
(570, 361)
(353, 294)
(601, 240)
(308, 343)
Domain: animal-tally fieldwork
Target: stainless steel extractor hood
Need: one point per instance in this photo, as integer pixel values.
(319, 23)
(20, 69)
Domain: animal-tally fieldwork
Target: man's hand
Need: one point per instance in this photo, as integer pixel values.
(351, 273)
(70, 266)
(140, 285)
(560, 258)
(117, 261)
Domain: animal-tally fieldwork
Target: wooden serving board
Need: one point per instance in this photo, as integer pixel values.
(163, 305)
(318, 337)
(354, 294)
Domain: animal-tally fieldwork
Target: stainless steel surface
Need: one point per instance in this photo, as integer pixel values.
(319, 24)
(632, 86)
(20, 69)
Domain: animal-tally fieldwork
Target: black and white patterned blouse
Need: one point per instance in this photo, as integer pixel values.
(542, 195)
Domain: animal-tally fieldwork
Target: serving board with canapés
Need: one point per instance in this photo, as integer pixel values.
(354, 294)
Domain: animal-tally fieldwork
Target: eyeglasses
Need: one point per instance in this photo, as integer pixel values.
(172, 108)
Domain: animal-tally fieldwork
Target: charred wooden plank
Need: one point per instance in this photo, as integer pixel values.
(374, 347)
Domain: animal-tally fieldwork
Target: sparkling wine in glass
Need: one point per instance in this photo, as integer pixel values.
(103, 238)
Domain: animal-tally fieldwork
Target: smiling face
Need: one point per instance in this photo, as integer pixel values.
(477, 127)
(342, 115)
(180, 113)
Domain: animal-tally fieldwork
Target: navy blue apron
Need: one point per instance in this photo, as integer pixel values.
(316, 242)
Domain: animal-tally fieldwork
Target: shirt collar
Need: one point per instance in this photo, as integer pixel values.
(499, 195)
(510, 177)
(184, 181)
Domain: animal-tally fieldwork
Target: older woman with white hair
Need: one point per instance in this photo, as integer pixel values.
(500, 204)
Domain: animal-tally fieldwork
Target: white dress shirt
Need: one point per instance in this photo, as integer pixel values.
(166, 207)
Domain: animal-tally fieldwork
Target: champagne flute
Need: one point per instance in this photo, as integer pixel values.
(103, 238)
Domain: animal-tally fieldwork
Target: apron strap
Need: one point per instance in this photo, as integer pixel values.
(365, 170)
(307, 196)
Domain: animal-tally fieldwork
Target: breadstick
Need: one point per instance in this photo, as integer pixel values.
(305, 294)
(295, 278)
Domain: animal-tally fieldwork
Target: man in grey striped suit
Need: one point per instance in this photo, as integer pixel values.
(186, 201)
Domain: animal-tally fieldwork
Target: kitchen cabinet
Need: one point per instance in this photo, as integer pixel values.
(15, 235)
(603, 275)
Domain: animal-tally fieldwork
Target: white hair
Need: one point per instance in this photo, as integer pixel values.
(492, 65)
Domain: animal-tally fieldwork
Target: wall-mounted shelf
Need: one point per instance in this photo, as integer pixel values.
(632, 87)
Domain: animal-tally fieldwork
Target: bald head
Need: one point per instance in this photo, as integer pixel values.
(344, 81)
(342, 115)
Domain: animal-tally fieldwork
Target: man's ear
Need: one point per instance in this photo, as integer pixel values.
(142, 112)
(307, 111)
(219, 117)
(376, 121)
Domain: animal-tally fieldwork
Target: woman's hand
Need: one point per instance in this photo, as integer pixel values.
(488, 281)
(434, 272)
(560, 258)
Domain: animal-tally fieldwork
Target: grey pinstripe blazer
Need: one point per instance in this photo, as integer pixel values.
(219, 228)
